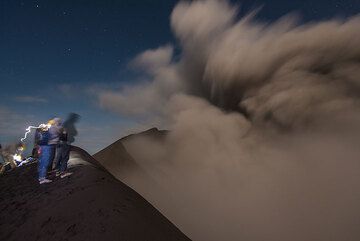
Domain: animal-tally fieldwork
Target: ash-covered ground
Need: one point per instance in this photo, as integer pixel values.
(89, 205)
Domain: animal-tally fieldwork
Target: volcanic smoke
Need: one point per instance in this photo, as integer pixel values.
(264, 121)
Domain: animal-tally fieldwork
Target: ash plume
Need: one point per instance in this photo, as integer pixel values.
(264, 121)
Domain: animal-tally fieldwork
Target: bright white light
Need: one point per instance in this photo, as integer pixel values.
(17, 157)
(28, 130)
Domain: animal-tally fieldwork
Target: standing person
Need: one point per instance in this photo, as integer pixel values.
(54, 138)
(69, 125)
(62, 155)
(42, 137)
(67, 137)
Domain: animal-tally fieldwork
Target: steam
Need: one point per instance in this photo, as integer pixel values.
(148, 97)
(264, 121)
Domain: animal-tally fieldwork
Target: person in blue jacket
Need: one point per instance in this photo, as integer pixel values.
(46, 138)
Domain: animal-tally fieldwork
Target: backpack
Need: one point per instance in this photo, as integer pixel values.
(42, 137)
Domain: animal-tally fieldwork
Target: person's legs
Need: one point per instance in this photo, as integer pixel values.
(44, 161)
(40, 162)
(58, 157)
(65, 157)
(47, 153)
(52, 157)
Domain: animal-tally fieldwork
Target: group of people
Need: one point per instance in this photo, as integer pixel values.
(52, 146)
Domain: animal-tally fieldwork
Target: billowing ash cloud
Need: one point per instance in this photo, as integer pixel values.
(265, 125)
(281, 72)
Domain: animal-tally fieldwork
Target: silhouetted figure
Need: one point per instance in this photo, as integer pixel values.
(70, 128)
(62, 155)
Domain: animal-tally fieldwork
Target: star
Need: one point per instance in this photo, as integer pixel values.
(68, 52)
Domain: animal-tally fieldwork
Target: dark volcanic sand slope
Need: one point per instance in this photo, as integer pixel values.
(89, 205)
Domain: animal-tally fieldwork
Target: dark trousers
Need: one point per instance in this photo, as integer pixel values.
(52, 157)
(62, 157)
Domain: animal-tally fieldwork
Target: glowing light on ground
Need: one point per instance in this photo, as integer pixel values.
(17, 157)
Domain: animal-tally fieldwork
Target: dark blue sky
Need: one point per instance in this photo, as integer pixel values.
(50, 50)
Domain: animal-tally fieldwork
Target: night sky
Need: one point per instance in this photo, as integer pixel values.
(55, 54)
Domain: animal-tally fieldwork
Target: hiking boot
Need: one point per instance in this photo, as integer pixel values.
(45, 180)
(65, 174)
